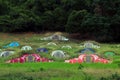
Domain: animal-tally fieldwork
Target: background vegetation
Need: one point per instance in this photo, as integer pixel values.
(99, 19)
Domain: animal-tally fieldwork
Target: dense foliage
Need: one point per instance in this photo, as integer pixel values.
(98, 18)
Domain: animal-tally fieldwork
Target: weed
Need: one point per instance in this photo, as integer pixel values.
(80, 67)
(42, 69)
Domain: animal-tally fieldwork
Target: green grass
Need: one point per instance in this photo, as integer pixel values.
(57, 70)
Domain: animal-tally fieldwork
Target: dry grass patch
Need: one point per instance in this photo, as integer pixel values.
(101, 72)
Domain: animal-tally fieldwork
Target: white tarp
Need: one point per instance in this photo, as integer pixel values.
(58, 54)
(26, 48)
(89, 45)
(55, 37)
(67, 47)
(51, 43)
(6, 53)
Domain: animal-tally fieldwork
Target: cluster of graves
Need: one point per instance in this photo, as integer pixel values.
(87, 58)
(87, 54)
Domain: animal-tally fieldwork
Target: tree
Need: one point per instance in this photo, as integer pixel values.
(4, 8)
(75, 20)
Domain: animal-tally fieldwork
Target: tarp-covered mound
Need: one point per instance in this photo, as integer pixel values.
(58, 54)
(6, 53)
(12, 44)
(29, 58)
(26, 48)
(43, 50)
(87, 58)
(90, 45)
(109, 53)
(51, 44)
(66, 47)
(55, 37)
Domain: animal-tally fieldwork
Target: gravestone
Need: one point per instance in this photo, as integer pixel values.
(30, 58)
(88, 59)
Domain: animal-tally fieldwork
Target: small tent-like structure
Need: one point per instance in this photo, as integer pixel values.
(109, 53)
(58, 54)
(44, 50)
(29, 58)
(66, 47)
(87, 50)
(6, 53)
(52, 43)
(55, 37)
(87, 58)
(12, 44)
(26, 48)
(90, 45)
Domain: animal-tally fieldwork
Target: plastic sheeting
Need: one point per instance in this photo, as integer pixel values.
(58, 54)
(26, 48)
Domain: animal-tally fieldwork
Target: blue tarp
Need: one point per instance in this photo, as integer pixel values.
(12, 44)
(90, 50)
(42, 50)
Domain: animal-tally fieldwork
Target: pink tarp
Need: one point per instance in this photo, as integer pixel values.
(23, 59)
(82, 57)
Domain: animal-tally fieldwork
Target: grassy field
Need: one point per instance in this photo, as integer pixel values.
(57, 70)
(40, 70)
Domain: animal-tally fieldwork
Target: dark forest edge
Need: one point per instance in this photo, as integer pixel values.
(99, 19)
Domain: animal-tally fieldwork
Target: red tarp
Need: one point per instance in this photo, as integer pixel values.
(82, 58)
(24, 58)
